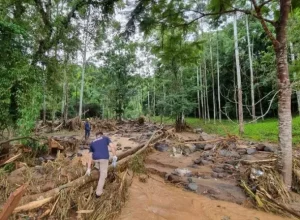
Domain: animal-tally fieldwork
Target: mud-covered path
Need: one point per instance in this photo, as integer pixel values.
(161, 201)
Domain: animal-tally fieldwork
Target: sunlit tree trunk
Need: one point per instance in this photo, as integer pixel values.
(238, 74)
(202, 93)
(213, 82)
(44, 96)
(251, 71)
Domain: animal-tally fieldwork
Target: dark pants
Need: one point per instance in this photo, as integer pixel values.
(87, 134)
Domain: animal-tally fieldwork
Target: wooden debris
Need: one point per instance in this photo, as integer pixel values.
(32, 205)
(44, 214)
(53, 144)
(12, 159)
(84, 211)
(12, 202)
(249, 162)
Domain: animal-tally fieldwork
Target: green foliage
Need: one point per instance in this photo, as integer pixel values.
(137, 164)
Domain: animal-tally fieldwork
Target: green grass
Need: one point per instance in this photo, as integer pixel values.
(266, 130)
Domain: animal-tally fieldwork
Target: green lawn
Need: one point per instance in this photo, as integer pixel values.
(266, 130)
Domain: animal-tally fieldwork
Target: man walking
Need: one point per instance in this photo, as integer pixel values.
(87, 129)
(99, 153)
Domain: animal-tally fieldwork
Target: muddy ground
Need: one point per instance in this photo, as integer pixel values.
(191, 175)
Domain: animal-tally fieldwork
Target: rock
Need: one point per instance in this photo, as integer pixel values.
(198, 130)
(228, 153)
(269, 149)
(49, 157)
(182, 172)
(194, 166)
(79, 154)
(207, 154)
(221, 175)
(228, 167)
(174, 179)
(119, 144)
(260, 147)
(209, 158)
(205, 162)
(192, 187)
(191, 180)
(41, 159)
(241, 151)
(208, 147)
(251, 151)
(214, 175)
(162, 147)
(127, 148)
(205, 136)
(197, 161)
(191, 147)
(199, 147)
(143, 178)
(232, 146)
(218, 170)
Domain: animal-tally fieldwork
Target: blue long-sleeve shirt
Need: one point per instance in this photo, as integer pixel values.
(87, 126)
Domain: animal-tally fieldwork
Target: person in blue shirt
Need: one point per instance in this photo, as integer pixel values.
(99, 154)
(87, 129)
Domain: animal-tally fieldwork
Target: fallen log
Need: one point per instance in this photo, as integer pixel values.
(12, 159)
(86, 179)
(249, 162)
(18, 138)
(207, 142)
(32, 205)
(12, 202)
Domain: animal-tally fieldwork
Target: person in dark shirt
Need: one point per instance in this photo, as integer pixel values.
(87, 129)
(99, 152)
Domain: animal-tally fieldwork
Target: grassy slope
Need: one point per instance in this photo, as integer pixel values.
(266, 130)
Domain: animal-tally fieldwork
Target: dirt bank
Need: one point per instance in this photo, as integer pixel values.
(157, 200)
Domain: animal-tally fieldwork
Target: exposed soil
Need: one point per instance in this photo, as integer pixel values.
(158, 200)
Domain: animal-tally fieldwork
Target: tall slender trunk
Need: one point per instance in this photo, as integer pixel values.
(294, 76)
(83, 64)
(198, 95)
(238, 74)
(206, 92)
(218, 76)
(213, 82)
(260, 104)
(235, 96)
(201, 94)
(251, 70)
(154, 101)
(44, 97)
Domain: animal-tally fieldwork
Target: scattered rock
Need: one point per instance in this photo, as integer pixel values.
(162, 147)
(119, 144)
(202, 162)
(41, 159)
(241, 151)
(208, 147)
(49, 157)
(269, 149)
(218, 170)
(190, 147)
(221, 175)
(205, 136)
(232, 146)
(192, 187)
(174, 179)
(182, 172)
(199, 147)
(207, 154)
(191, 180)
(127, 148)
(251, 151)
(214, 175)
(260, 147)
(79, 154)
(228, 167)
(228, 153)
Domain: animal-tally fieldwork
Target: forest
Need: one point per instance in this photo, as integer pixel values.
(212, 62)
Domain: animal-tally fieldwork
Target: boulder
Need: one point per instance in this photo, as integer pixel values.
(260, 147)
(192, 187)
(162, 147)
(198, 130)
(205, 136)
(208, 147)
(241, 151)
(189, 148)
(269, 149)
(202, 162)
(214, 175)
(251, 151)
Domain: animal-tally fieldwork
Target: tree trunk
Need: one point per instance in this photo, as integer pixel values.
(218, 76)
(213, 82)
(44, 98)
(201, 94)
(206, 92)
(251, 70)
(238, 74)
(83, 64)
(198, 95)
